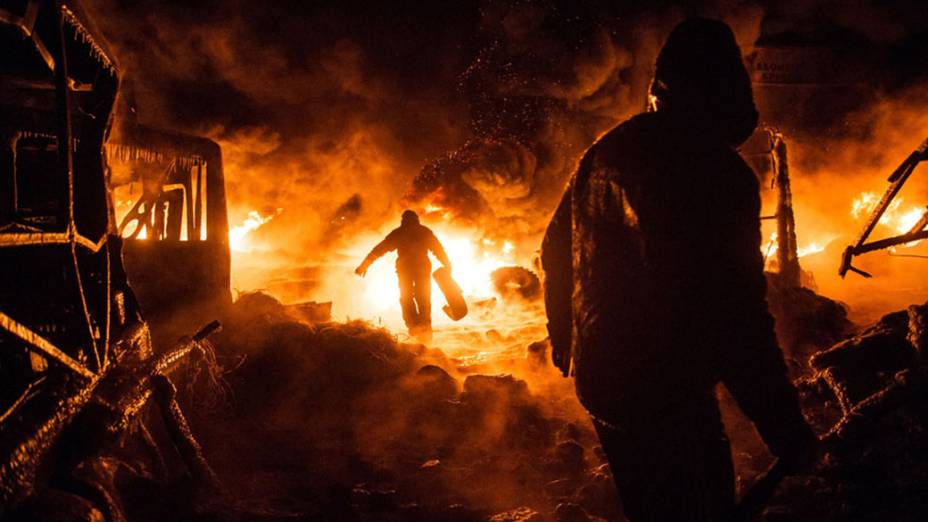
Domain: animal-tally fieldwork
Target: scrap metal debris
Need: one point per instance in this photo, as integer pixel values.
(77, 362)
(918, 231)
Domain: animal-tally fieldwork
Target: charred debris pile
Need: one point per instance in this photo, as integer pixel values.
(339, 421)
(306, 420)
(866, 397)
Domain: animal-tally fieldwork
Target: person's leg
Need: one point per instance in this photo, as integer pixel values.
(759, 382)
(423, 286)
(407, 298)
(678, 469)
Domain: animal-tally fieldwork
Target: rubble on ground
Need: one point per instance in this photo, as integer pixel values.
(873, 381)
(340, 421)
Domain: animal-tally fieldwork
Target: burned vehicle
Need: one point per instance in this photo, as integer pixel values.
(76, 361)
(170, 206)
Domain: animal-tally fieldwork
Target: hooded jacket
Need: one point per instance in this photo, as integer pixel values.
(653, 271)
(412, 241)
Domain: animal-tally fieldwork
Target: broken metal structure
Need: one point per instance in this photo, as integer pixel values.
(918, 231)
(76, 359)
(767, 153)
(169, 194)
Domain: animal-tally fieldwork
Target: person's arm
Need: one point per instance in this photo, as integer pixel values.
(388, 244)
(439, 251)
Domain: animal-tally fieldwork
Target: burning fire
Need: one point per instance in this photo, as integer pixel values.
(473, 260)
(893, 218)
(907, 221)
(238, 236)
(898, 221)
(810, 248)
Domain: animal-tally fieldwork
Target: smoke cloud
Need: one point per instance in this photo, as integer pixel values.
(481, 107)
(334, 116)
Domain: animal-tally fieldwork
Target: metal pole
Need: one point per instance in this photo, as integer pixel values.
(787, 251)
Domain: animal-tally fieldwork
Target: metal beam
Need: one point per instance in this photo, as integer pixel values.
(41, 345)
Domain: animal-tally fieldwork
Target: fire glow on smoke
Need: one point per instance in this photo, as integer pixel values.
(474, 257)
(239, 235)
(894, 218)
(823, 228)
(473, 260)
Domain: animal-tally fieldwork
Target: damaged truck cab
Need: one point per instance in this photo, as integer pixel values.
(77, 368)
(169, 197)
(63, 296)
(64, 299)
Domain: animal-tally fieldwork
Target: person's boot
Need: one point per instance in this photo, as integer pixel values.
(421, 333)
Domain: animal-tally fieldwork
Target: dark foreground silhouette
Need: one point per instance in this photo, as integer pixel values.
(655, 289)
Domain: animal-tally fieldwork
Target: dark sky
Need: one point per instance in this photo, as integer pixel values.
(243, 63)
(170, 49)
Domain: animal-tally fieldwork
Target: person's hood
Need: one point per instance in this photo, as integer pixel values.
(700, 77)
(409, 218)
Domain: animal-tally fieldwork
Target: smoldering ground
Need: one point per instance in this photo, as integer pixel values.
(341, 421)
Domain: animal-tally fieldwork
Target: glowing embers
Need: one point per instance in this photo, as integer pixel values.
(239, 235)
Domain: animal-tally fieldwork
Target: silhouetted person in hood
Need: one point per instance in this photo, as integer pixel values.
(655, 291)
(412, 242)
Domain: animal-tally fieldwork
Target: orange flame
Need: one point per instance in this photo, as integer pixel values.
(898, 221)
(238, 235)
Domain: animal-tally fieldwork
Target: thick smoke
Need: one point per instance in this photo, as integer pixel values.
(318, 106)
(831, 175)
(850, 102)
(333, 117)
(548, 79)
(311, 104)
